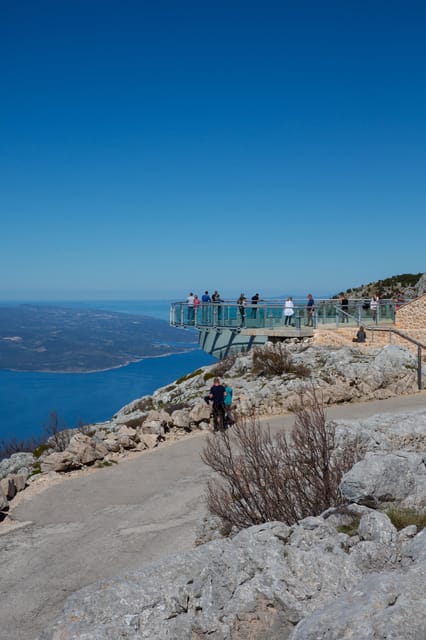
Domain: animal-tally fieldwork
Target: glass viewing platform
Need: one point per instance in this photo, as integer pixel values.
(270, 314)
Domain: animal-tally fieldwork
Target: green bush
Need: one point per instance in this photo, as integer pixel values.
(40, 450)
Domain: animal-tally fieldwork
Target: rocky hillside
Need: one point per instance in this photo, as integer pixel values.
(265, 381)
(407, 285)
(348, 573)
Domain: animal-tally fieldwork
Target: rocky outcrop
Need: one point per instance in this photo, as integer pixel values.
(269, 582)
(14, 472)
(346, 574)
(342, 374)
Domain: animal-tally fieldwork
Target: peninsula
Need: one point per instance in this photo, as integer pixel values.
(62, 339)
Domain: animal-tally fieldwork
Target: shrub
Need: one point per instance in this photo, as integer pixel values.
(9, 447)
(144, 404)
(223, 366)
(402, 518)
(58, 436)
(264, 478)
(276, 360)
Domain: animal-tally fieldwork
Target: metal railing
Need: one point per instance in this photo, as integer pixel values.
(271, 314)
(404, 336)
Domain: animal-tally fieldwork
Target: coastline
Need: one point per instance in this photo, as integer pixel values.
(118, 366)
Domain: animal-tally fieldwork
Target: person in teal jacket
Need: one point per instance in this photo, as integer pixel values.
(228, 404)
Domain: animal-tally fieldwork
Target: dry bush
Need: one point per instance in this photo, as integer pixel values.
(222, 367)
(58, 435)
(276, 360)
(11, 446)
(265, 477)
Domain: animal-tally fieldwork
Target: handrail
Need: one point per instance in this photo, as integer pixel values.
(268, 314)
(419, 345)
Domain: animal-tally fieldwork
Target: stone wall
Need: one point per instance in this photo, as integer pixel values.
(343, 337)
(412, 316)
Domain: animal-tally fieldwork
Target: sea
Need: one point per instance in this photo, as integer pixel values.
(28, 399)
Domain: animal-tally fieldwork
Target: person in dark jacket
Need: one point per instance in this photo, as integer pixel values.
(360, 335)
(217, 397)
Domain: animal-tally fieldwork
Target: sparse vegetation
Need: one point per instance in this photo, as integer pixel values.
(222, 367)
(36, 469)
(402, 518)
(351, 528)
(386, 288)
(265, 478)
(276, 360)
(9, 447)
(40, 450)
(144, 404)
(193, 374)
(56, 437)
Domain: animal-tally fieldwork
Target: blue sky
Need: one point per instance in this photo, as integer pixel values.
(151, 148)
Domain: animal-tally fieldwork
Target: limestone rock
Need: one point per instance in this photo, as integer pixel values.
(385, 478)
(4, 503)
(85, 450)
(59, 461)
(112, 444)
(148, 441)
(200, 412)
(180, 418)
(18, 462)
(259, 585)
(8, 487)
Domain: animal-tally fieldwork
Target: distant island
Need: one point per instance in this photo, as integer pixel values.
(60, 339)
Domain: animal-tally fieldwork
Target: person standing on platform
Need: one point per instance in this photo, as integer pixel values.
(241, 302)
(374, 303)
(310, 311)
(217, 311)
(288, 311)
(205, 301)
(254, 301)
(190, 302)
(344, 305)
(197, 303)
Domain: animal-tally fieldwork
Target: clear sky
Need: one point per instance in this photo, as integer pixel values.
(150, 148)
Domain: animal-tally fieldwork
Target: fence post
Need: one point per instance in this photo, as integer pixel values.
(419, 367)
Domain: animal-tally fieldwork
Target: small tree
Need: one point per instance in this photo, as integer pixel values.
(265, 477)
(58, 436)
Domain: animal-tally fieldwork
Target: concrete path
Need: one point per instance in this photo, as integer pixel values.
(105, 522)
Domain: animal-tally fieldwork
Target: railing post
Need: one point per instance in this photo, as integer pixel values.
(419, 367)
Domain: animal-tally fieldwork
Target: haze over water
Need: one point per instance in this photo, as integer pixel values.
(28, 398)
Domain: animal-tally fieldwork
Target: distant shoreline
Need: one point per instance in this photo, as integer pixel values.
(118, 366)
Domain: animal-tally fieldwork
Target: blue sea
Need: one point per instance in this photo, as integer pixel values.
(27, 399)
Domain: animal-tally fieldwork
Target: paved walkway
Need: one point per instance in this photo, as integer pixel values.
(105, 522)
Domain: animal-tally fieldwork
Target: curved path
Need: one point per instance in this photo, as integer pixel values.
(100, 523)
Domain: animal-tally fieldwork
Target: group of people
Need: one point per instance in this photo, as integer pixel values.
(220, 396)
(194, 302)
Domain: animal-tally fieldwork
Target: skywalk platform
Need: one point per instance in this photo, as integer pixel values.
(225, 327)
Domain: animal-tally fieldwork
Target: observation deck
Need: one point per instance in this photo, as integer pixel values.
(225, 327)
